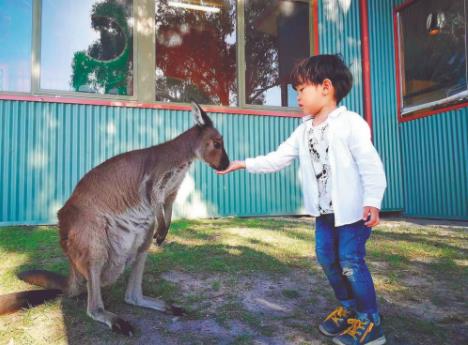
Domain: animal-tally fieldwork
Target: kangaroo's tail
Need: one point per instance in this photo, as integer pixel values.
(54, 284)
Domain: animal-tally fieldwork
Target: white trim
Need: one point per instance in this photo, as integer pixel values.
(461, 96)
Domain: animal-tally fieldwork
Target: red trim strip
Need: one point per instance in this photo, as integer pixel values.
(315, 15)
(133, 104)
(366, 78)
(422, 113)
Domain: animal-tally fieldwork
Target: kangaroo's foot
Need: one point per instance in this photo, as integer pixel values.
(156, 304)
(96, 309)
(114, 322)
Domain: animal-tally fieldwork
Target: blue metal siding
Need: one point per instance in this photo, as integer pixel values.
(340, 33)
(47, 147)
(435, 160)
(385, 122)
(431, 152)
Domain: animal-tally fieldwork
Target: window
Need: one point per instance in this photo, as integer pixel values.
(15, 43)
(235, 53)
(432, 54)
(87, 46)
(196, 51)
(277, 36)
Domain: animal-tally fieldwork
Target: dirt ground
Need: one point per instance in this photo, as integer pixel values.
(271, 309)
(278, 310)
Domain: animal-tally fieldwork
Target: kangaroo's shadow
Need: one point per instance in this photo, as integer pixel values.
(65, 319)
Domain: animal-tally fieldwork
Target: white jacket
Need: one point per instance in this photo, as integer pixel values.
(357, 174)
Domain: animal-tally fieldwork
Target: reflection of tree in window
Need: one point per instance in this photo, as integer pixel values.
(107, 65)
(196, 52)
(262, 71)
(277, 36)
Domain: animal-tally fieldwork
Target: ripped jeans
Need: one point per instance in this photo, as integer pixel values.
(341, 251)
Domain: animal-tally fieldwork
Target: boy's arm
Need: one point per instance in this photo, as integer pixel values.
(276, 160)
(369, 164)
(271, 162)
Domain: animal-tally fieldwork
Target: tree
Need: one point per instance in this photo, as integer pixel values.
(106, 67)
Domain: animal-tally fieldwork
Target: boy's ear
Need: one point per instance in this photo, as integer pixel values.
(327, 86)
(199, 115)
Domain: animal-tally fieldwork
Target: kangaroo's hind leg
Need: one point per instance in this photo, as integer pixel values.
(134, 293)
(76, 283)
(96, 307)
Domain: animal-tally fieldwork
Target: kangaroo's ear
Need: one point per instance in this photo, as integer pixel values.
(199, 115)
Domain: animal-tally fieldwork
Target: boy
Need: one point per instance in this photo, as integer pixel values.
(343, 184)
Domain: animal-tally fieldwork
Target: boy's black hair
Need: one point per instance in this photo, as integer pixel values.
(316, 69)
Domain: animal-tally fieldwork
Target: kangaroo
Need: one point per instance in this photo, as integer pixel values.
(111, 218)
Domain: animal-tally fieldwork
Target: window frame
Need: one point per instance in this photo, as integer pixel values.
(453, 102)
(144, 88)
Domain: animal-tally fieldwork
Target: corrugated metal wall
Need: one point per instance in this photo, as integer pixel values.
(433, 151)
(47, 147)
(385, 123)
(340, 33)
(435, 161)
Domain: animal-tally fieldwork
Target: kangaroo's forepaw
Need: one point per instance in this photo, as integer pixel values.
(123, 327)
(177, 311)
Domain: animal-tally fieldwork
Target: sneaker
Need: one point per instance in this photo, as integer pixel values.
(361, 332)
(336, 322)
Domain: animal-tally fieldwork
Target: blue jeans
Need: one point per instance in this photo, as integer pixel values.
(340, 251)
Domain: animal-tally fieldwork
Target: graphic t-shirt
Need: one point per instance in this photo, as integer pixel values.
(318, 148)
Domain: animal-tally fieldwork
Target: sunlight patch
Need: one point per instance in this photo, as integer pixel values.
(111, 129)
(38, 159)
(53, 209)
(189, 203)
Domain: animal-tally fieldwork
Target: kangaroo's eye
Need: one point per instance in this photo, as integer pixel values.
(217, 146)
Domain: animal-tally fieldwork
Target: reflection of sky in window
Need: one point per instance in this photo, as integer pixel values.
(273, 96)
(231, 38)
(66, 29)
(15, 43)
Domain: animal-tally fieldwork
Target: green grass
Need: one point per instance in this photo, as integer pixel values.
(413, 266)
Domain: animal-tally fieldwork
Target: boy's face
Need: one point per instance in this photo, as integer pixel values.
(312, 97)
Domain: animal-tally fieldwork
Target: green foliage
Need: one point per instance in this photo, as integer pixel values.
(105, 76)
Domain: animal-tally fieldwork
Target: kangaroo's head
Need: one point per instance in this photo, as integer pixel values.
(210, 146)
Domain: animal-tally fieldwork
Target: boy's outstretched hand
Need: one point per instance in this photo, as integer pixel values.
(235, 165)
(371, 214)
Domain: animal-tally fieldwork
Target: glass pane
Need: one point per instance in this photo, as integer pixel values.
(277, 36)
(196, 51)
(15, 45)
(433, 51)
(87, 46)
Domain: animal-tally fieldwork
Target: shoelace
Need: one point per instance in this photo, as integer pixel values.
(336, 314)
(356, 326)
